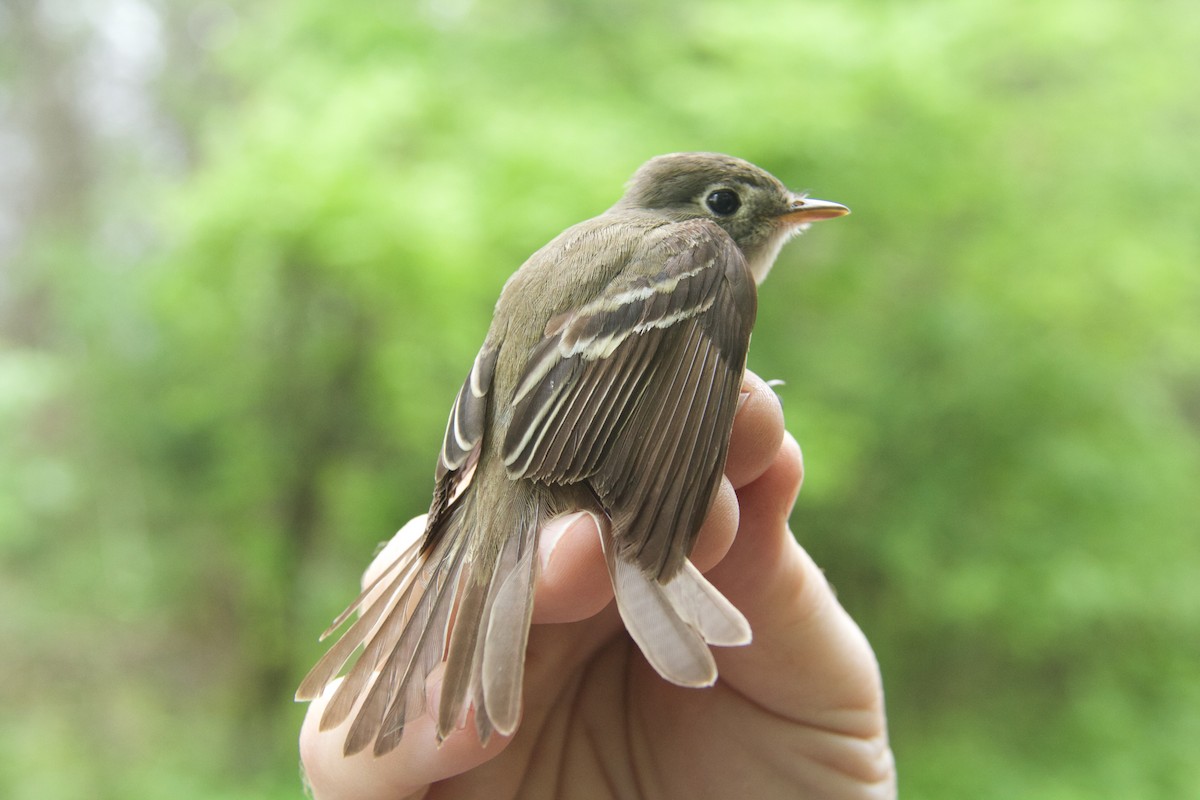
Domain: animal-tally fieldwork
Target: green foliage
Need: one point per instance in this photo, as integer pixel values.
(993, 366)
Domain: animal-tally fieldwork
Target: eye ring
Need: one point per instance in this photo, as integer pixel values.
(723, 202)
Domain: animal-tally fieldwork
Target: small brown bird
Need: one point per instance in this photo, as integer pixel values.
(608, 382)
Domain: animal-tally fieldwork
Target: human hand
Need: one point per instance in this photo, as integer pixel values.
(797, 713)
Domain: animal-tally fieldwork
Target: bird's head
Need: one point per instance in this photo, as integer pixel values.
(758, 212)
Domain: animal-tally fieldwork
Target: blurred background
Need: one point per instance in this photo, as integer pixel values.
(248, 251)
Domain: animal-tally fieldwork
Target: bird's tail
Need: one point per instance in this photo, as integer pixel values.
(480, 570)
(673, 623)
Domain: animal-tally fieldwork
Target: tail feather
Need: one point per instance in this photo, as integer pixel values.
(398, 692)
(460, 658)
(395, 612)
(675, 650)
(403, 564)
(507, 563)
(407, 699)
(464, 682)
(485, 587)
(483, 721)
(704, 608)
(487, 590)
(337, 656)
(503, 667)
(673, 624)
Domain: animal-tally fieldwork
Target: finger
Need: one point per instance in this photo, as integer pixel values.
(808, 659)
(573, 583)
(405, 772)
(757, 432)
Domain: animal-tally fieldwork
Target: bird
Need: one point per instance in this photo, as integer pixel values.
(608, 382)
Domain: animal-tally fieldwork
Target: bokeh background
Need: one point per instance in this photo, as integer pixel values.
(249, 249)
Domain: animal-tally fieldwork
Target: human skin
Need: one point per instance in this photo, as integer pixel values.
(797, 713)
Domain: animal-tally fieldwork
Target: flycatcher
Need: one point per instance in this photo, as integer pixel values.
(608, 382)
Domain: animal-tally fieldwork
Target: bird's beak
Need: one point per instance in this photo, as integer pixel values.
(808, 209)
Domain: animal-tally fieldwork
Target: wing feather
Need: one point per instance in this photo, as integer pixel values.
(462, 443)
(635, 392)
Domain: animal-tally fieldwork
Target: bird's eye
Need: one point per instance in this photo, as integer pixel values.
(723, 202)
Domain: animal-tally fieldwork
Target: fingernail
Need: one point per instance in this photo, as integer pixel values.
(552, 532)
(742, 398)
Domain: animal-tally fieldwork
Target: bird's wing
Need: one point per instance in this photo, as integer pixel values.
(635, 392)
(463, 441)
